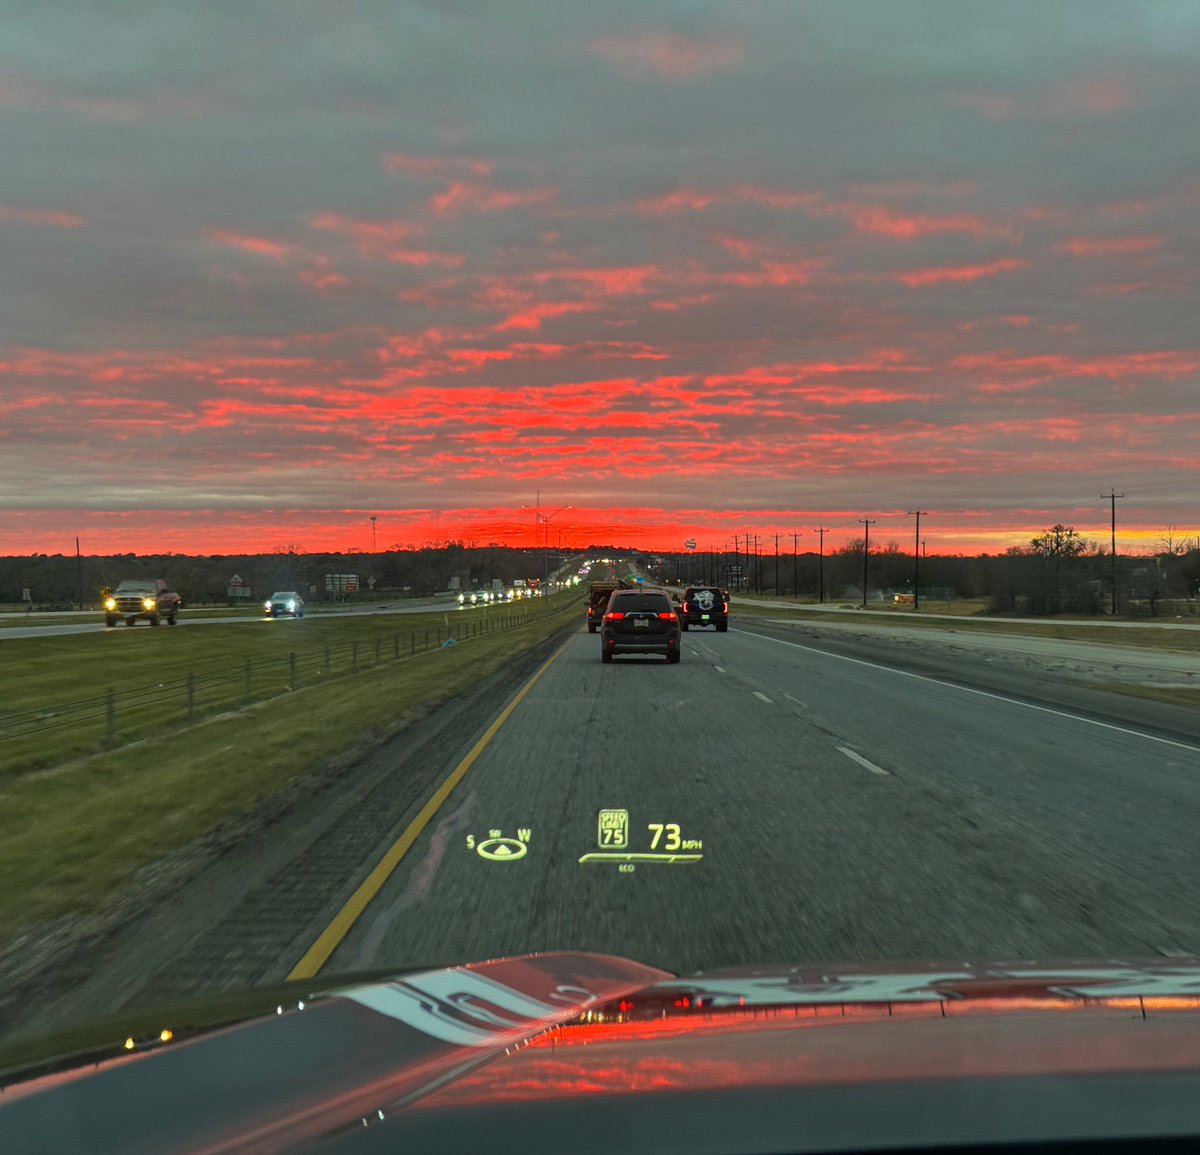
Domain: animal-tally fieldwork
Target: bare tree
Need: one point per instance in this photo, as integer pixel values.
(1172, 544)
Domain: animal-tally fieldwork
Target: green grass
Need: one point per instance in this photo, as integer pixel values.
(73, 833)
(65, 696)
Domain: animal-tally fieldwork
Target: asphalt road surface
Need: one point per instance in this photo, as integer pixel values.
(826, 798)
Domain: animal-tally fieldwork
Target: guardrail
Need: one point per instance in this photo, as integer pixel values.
(116, 716)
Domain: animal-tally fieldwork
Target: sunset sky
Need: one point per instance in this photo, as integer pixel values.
(671, 270)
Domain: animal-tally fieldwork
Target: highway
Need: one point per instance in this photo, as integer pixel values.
(14, 626)
(846, 811)
(826, 798)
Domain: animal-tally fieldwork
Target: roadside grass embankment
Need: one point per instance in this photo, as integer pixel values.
(73, 830)
(1165, 637)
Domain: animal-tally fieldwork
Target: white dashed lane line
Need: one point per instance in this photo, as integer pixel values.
(763, 698)
(863, 762)
(796, 700)
(719, 669)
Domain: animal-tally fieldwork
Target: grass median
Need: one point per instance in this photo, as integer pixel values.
(72, 832)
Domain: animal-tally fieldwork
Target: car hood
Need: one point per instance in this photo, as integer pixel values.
(596, 1052)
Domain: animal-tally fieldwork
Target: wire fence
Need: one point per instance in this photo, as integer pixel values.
(121, 714)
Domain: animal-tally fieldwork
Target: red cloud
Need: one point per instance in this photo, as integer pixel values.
(533, 316)
(875, 219)
(261, 246)
(888, 223)
(471, 196)
(672, 56)
(32, 216)
(957, 274)
(1108, 246)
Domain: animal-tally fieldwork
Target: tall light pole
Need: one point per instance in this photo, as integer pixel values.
(796, 564)
(1112, 496)
(916, 559)
(866, 523)
(546, 552)
(374, 546)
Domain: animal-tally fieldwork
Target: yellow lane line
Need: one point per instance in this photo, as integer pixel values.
(318, 954)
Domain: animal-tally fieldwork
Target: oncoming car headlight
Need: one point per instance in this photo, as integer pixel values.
(110, 603)
(148, 603)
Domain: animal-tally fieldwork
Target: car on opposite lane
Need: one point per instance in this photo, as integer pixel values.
(148, 598)
(641, 621)
(284, 604)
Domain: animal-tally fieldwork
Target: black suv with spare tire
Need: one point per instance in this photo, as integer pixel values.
(704, 606)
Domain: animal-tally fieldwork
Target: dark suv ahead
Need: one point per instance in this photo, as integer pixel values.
(704, 606)
(639, 622)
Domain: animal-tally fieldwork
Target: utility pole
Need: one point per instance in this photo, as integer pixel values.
(821, 565)
(866, 523)
(79, 569)
(1112, 496)
(916, 559)
(795, 565)
(777, 565)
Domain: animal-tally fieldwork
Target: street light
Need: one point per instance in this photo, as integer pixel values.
(543, 519)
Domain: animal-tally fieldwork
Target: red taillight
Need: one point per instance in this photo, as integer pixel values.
(616, 616)
(669, 616)
(727, 607)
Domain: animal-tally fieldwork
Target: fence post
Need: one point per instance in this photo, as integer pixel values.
(292, 670)
(191, 696)
(110, 706)
(249, 680)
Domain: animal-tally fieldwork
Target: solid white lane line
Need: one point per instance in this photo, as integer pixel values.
(980, 693)
(866, 765)
(763, 698)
